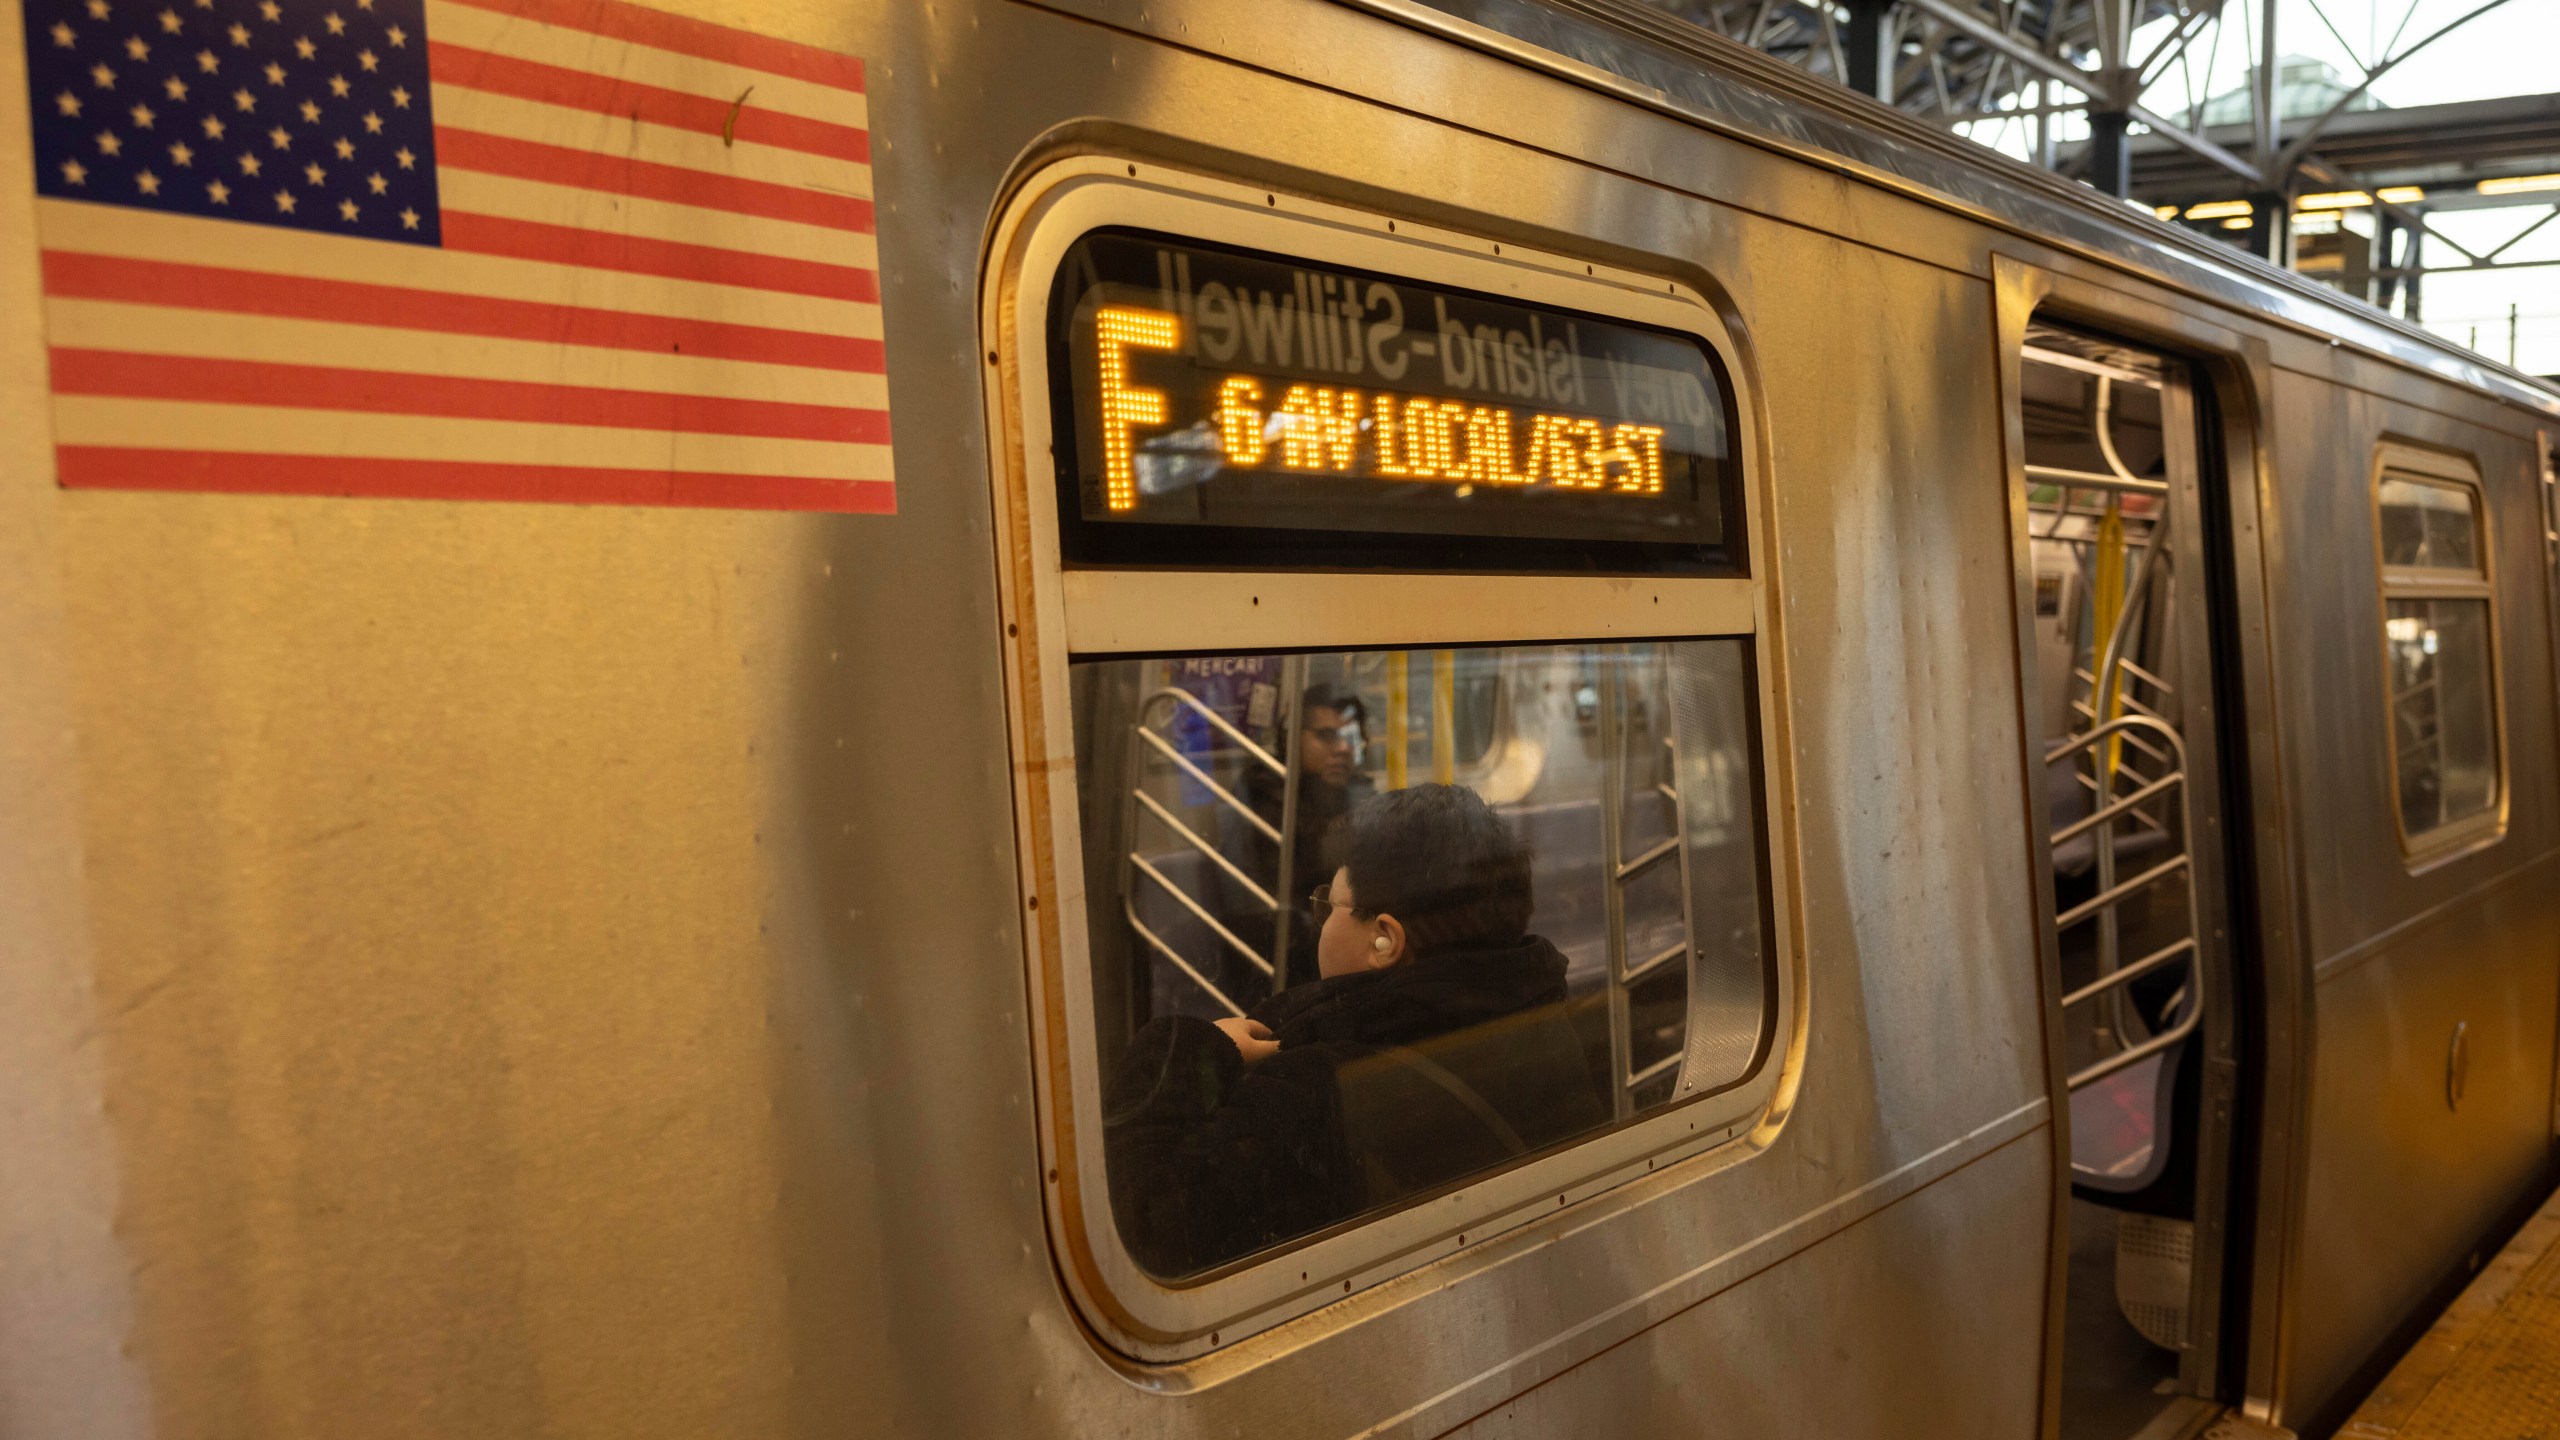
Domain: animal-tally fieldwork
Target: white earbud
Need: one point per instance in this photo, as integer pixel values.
(1380, 944)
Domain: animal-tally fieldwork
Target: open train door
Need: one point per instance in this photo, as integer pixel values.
(2113, 525)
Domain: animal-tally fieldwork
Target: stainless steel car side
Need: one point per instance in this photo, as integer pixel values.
(488, 968)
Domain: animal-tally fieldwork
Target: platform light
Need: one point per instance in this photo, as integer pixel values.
(2333, 200)
(2520, 184)
(2401, 194)
(2165, 212)
(2237, 222)
(2220, 209)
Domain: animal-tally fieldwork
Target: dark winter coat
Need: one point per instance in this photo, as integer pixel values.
(1387, 1082)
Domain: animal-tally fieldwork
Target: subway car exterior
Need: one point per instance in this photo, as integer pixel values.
(602, 761)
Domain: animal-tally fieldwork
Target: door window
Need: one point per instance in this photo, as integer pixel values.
(2439, 653)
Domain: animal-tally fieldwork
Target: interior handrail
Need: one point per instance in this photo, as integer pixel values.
(2143, 966)
(1225, 796)
(1218, 722)
(2098, 1070)
(1130, 910)
(1200, 912)
(1192, 838)
(2188, 948)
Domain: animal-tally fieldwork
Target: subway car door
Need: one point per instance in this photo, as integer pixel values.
(2112, 515)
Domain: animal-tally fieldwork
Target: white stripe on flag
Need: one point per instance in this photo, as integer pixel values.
(145, 235)
(502, 34)
(351, 435)
(460, 107)
(478, 193)
(156, 330)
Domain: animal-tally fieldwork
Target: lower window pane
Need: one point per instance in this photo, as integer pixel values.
(2443, 715)
(1365, 924)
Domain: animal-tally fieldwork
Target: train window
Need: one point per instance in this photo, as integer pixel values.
(2428, 525)
(1331, 982)
(1384, 649)
(2439, 650)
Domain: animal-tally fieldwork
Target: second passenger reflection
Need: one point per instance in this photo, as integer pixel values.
(1327, 784)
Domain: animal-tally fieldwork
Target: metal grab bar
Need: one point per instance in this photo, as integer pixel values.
(1638, 1079)
(1219, 722)
(1648, 859)
(2146, 677)
(2143, 966)
(2092, 480)
(2108, 898)
(1225, 797)
(1621, 784)
(1148, 869)
(1192, 838)
(2104, 684)
(2188, 947)
(2098, 1070)
(1130, 910)
(2106, 694)
(1145, 738)
(2117, 807)
(1655, 961)
(2087, 738)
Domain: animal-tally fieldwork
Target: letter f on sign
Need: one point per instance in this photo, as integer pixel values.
(1117, 330)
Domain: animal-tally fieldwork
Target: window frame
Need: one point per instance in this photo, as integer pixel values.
(2398, 460)
(1054, 613)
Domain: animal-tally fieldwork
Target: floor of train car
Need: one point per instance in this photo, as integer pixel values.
(2113, 1380)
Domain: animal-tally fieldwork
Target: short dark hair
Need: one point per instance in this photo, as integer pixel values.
(1438, 859)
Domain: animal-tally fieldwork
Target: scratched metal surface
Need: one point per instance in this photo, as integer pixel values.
(554, 969)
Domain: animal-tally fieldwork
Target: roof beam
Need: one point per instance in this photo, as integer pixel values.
(1991, 37)
(2197, 145)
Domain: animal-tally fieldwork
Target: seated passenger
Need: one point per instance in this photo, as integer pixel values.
(1434, 1045)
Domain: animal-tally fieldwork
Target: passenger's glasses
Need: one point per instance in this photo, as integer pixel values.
(1321, 905)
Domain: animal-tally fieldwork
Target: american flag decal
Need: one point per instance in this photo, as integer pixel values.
(566, 250)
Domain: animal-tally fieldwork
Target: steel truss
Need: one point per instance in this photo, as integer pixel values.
(2028, 62)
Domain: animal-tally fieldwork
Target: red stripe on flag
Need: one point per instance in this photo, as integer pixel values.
(387, 392)
(704, 264)
(704, 41)
(80, 276)
(650, 104)
(647, 179)
(98, 467)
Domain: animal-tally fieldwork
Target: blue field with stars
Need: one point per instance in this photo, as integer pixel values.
(308, 114)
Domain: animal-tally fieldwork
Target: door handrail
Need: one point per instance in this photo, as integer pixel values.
(2187, 948)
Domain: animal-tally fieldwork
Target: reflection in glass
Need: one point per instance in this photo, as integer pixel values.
(1539, 915)
(2428, 526)
(2442, 716)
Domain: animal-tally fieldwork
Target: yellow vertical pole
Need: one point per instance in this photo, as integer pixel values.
(2108, 608)
(1444, 716)
(1399, 699)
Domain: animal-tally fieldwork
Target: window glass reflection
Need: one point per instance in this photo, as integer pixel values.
(1365, 924)
(2442, 711)
(2428, 526)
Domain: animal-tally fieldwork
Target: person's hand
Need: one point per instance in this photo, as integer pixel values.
(1253, 1038)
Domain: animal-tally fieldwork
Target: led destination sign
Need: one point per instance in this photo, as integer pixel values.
(1202, 386)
